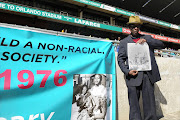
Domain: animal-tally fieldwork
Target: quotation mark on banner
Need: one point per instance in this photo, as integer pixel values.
(64, 57)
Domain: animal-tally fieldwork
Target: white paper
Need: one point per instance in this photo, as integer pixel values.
(139, 57)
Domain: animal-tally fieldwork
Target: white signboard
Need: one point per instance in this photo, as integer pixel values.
(139, 57)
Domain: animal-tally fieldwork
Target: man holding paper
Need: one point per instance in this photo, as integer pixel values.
(140, 78)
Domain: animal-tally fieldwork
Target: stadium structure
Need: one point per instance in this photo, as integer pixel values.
(101, 18)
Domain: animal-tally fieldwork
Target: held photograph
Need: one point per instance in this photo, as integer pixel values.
(139, 57)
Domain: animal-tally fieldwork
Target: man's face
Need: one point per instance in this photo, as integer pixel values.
(134, 29)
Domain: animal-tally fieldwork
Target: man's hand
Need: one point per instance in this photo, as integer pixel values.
(133, 72)
(141, 41)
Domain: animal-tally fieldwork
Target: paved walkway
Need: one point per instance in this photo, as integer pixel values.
(172, 116)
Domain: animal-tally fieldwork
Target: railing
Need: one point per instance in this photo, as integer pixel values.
(161, 53)
(167, 53)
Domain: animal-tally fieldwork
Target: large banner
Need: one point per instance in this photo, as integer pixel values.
(49, 77)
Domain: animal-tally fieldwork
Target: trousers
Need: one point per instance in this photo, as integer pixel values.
(149, 107)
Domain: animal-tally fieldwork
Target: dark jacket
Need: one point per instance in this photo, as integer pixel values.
(154, 75)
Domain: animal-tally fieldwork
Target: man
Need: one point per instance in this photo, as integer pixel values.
(117, 44)
(137, 81)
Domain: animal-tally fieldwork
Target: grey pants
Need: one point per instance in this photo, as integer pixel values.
(149, 107)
